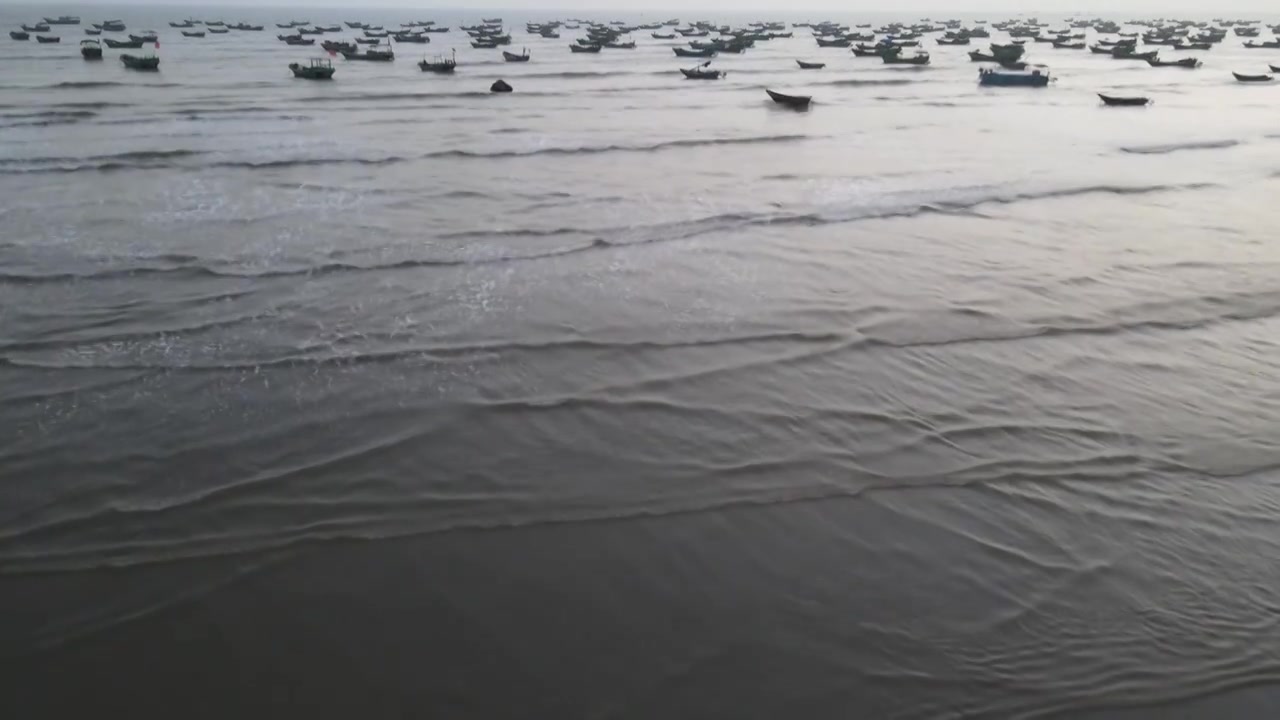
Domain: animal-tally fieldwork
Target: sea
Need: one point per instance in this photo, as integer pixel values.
(627, 396)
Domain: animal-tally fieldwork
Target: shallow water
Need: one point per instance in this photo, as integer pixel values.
(626, 396)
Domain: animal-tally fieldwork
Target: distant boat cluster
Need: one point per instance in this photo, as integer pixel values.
(893, 43)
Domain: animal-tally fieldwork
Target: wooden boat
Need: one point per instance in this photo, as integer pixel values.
(512, 57)
(953, 41)
(834, 42)
(592, 49)
(489, 21)
(318, 69)
(500, 86)
(133, 62)
(996, 78)
(1069, 45)
(333, 28)
(1189, 63)
(363, 41)
(200, 34)
(621, 45)
(413, 39)
(148, 38)
(338, 47)
(798, 102)
(660, 36)
(1130, 55)
(123, 44)
(63, 20)
(810, 65)
(111, 26)
(702, 72)
(48, 39)
(18, 35)
(91, 49)
(299, 40)
(899, 59)
(435, 30)
(441, 65)
(92, 31)
(1194, 46)
(1268, 45)
(371, 55)
(189, 24)
(1123, 101)
(1252, 78)
(484, 45)
(684, 52)
(37, 28)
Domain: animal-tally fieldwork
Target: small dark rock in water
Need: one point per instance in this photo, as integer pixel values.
(500, 86)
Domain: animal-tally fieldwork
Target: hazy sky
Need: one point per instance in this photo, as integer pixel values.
(773, 8)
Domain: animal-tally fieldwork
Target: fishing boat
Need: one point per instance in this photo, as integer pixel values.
(500, 86)
(1123, 101)
(1069, 46)
(92, 31)
(441, 65)
(1120, 54)
(435, 30)
(486, 45)
(37, 28)
(331, 28)
(189, 24)
(953, 41)
(621, 45)
(491, 21)
(1252, 78)
(299, 40)
(317, 69)
(48, 39)
(133, 62)
(999, 78)
(834, 42)
(90, 49)
(899, 59)
(148, 38)
(1274, 68)
(364, 41)
(798, 102)
(123, 44)
(411, 38)
(595, 49)
(63, 20)
(661, 36)
(702, 72)
(810, 65)
(338, 47)
(111, 26)
(371, 55)
(1268, 45)
(1189, 63)
(685, 52)
(19, 35)
(200, 34)
(1194, 46)
(512, 57)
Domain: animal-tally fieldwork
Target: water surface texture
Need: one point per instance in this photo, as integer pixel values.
(625, 396)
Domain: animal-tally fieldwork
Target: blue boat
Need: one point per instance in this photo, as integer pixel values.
(1032, 77)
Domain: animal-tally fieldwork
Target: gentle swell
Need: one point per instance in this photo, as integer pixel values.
(1178, 147)
(617, 236)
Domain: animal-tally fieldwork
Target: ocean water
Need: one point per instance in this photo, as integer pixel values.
(624, 396)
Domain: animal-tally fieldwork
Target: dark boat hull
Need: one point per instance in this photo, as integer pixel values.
(140, 63)
(1252, 78)
(798, 102)
(1124, 101)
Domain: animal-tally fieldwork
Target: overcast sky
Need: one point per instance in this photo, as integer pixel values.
(773, 8)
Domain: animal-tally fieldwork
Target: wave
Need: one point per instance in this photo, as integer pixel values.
(151, 161)
(48, 114)
(1178, 147)
(605, 238)
(106, 83)
(861, 83)
(590, 150)
(134, 156)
